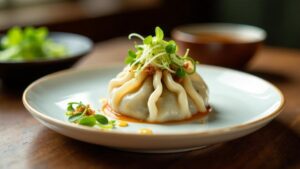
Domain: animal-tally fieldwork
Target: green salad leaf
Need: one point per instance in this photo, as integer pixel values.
(158, 53)
(130, 57)
(74, 118)
(171, 48)
(88, 121)
(101, 119)
(159, 33)
(180, 72)
(29, 44)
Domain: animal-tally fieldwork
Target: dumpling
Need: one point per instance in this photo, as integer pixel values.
(148, 89)
(157, 97)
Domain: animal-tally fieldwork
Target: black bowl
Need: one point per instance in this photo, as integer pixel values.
(20, 73)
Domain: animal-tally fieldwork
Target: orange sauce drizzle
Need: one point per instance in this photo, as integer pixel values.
(107, 110)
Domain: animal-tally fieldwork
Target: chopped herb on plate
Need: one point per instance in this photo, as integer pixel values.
(82, 114)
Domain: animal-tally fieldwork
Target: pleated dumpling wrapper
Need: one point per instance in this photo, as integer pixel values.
(158, 85)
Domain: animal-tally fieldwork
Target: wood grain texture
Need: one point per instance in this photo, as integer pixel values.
(25, 143)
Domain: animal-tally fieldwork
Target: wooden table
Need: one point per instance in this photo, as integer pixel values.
(25, 143)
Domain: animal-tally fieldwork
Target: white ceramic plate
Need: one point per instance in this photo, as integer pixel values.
(242, 103)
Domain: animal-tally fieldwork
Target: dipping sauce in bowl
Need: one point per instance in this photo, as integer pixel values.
(222, 44)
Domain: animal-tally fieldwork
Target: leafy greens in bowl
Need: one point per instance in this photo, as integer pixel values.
(33, 52)
(30, 44)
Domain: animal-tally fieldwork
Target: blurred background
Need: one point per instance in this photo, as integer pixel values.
(104, 19)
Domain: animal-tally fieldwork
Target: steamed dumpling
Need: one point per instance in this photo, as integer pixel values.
(157, 97)
(158, 85)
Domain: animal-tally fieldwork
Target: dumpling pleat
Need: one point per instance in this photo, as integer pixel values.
(126, 88)
(200, 86)
(119, 80)
(197, 99)
(153, 111)
(179, 90)
(123, 72)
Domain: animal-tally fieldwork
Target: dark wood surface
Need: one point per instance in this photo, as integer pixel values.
(25, 143)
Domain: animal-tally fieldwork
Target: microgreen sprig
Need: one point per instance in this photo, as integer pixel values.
(82, 114)
(161, 54)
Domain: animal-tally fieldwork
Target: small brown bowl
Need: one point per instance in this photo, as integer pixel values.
(222, 44)
(20, 73)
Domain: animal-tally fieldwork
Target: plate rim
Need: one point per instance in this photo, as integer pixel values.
(235, 128)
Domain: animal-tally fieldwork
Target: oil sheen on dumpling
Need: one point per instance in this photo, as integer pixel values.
(157, 97)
